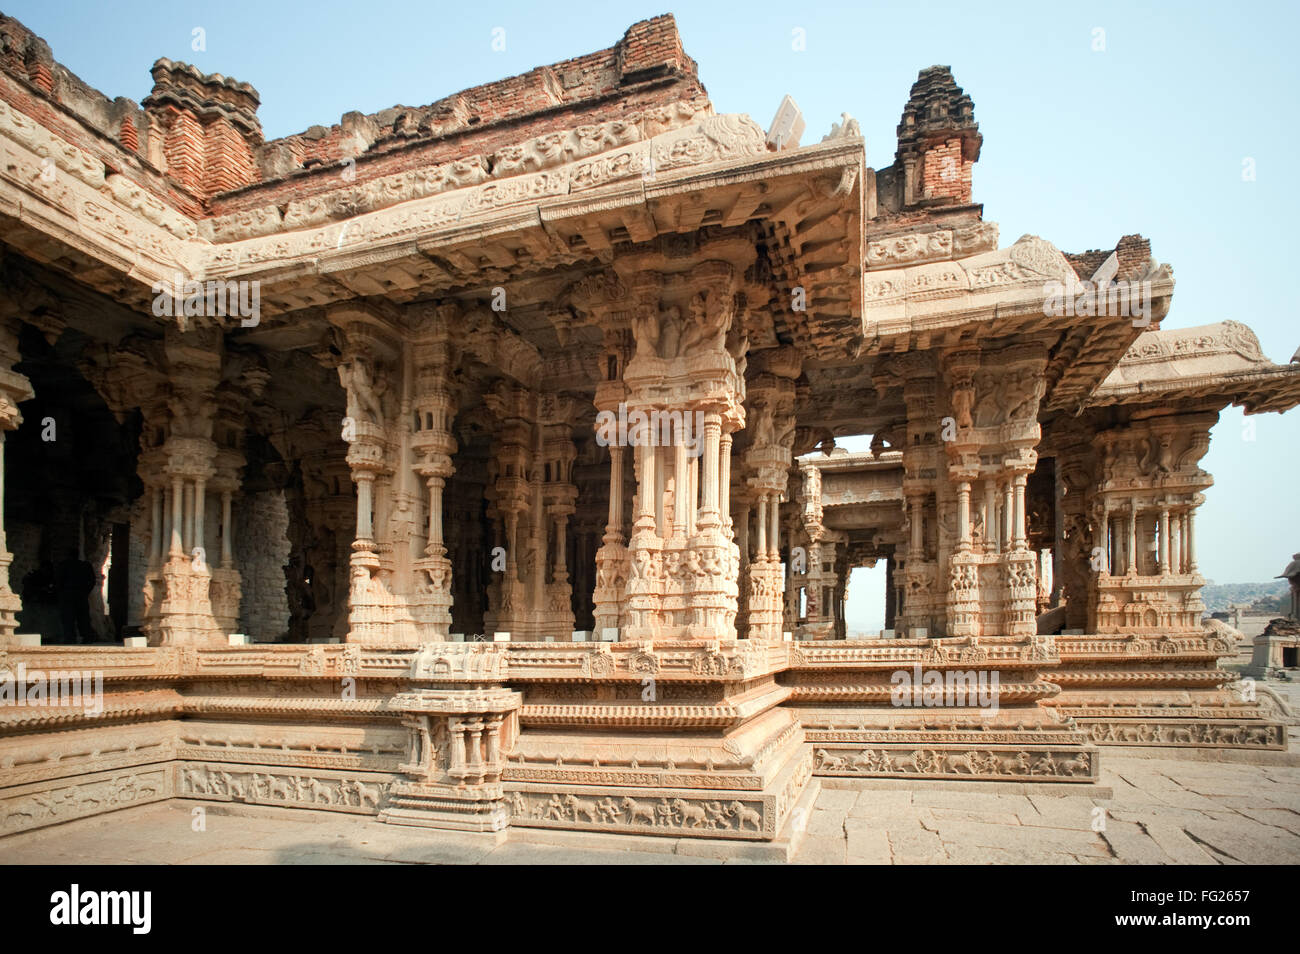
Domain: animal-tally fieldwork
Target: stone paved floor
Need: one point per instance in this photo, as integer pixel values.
(1162, 812)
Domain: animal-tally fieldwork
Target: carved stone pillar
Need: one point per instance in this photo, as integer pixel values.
(992, 541)
(682, 385)
(559, 494)
(993, 397)
(1164, 541)
(923, 608)
(709, 514)
(1150, 478)
(14, 389)
(612, 557)
(743, 545)
(230, 425)
(1176, 543)
(681, 484)
(369, 371)
(724, 479)
(433, 406)
(516, 487)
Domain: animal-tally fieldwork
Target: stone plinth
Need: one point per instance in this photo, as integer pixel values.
(1161, 690)
(666, 738)
(929, 708)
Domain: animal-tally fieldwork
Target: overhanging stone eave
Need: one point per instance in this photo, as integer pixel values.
(808, 160)
(1276, 388)
(924, 325)
(534, 225)
(887, 460)
(1025, 316)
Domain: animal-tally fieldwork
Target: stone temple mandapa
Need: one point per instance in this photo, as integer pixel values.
(504, 430)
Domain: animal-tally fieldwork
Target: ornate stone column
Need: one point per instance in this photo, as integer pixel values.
(1164, 541)
(1008, 515)
(432, 445)
(724, 479)
(681, 483)
(368, 370)
(14, 389)
(1176, 543)
(682, 583)
(1021, 568)
(612, 556)
(992, 542)
(188, 459)
(234, 400)
(741, 522)
(560, 495)
(992, 432)
(1133, 537)
(709, 514)
(1150, 467)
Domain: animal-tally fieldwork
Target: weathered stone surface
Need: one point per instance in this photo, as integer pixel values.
(457, 467)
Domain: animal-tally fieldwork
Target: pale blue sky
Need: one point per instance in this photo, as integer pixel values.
(1080, 146)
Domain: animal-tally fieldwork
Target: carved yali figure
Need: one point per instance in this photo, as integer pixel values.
(363, 392)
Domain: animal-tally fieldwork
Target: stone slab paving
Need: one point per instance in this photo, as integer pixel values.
(1156, 811)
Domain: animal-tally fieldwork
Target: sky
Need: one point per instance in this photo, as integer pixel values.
(1099, 120)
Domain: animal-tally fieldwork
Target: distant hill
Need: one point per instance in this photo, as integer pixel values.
(1264, 598)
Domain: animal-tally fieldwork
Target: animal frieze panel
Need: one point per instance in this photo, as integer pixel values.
(88, 795)
(651, 812)
(1071, 765)
(355, 793)
(1170, 733)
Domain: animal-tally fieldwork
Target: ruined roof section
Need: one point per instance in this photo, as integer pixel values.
(647, 59)
(1133, 252)
(202, 131)
(27, 57)
(1221, 361)
(55, 97)
(647, 71)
